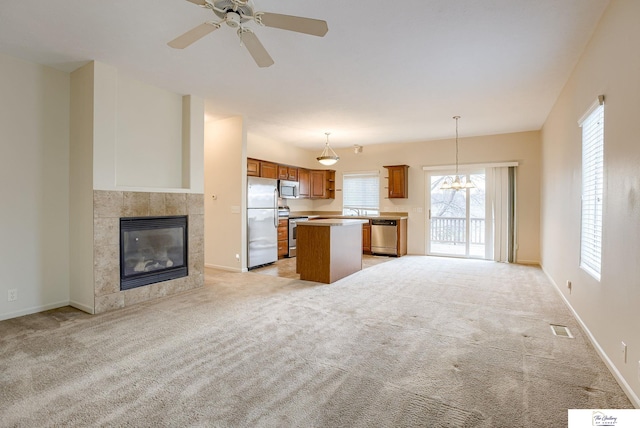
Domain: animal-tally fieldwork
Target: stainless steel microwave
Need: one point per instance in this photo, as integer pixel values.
(289, 189)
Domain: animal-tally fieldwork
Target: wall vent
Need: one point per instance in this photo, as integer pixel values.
(561, 330)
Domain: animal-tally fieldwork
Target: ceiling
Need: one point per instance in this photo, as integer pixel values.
(386, 72)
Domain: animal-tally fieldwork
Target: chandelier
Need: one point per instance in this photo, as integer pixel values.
(456, 183)
(328, 156)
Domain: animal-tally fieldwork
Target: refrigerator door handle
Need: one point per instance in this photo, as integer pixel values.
(275, 208)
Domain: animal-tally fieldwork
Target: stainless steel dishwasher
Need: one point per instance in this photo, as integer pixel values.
(384, 237)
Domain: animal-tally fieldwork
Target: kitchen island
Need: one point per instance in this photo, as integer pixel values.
(329, 249)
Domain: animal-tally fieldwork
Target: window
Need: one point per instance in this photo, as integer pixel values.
(592, 124)
(361, 193)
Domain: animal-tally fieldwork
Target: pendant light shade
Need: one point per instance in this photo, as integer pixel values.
(456, 183)
(328, 156)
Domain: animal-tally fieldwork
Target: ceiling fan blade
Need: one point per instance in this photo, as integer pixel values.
(193, 35)
(198, 2)
(315, 27)
(255, 48)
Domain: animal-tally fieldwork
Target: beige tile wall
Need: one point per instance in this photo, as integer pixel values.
(108, 208)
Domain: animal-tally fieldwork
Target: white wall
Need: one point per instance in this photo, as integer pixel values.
(260, 147)
(81, 293)
(225, 194)
(145, 138)
(34, 183)
(149, 123)
(608, 308)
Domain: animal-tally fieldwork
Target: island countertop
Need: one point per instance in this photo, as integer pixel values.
(332, 222)
(312, 215)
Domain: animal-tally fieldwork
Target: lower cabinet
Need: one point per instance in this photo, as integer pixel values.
(283, 238)
(366, 238)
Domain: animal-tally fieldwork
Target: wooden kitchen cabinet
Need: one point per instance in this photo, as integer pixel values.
(398, 181)
(366, 238)
(283, 238)
(322, 184)
(286, 172)
(283, 172)
(268, 170)
(304, 183)
(253, 167)
(293, 174)
(402, 237)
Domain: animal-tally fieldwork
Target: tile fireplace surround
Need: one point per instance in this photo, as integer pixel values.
(108, 208)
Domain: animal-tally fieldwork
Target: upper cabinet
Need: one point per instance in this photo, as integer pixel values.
(398, 181)
(313, 183)
(322, 184)
(258, 168)
(304, 183)
(268, 170)
(253, 167)
(286, 172)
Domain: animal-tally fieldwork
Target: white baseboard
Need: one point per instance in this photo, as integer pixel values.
(33, 310)
(82, 307)
(528, 262)
(633, 397)
(227, 268)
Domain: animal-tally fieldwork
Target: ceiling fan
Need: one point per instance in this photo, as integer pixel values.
(235, 13)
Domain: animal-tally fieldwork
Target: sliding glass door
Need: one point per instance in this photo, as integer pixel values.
(456, 223)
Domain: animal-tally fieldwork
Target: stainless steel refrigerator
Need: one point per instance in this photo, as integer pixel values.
(262, 221)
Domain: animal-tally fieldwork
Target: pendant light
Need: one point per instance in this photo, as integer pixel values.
(328, 156)
(456, 183)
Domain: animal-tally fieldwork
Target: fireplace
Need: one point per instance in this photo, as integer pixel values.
(152, 249)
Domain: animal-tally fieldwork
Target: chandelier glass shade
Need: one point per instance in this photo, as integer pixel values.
(328, 156)
(456, 182)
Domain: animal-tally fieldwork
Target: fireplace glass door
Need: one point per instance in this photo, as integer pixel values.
(152, 249)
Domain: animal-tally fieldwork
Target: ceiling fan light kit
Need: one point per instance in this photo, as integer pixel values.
(235, 13)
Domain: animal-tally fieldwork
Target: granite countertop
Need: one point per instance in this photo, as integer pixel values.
(333, 222)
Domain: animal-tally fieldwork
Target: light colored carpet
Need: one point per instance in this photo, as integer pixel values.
(416, 341)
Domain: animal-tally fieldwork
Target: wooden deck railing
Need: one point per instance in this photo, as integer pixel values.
(453, 230)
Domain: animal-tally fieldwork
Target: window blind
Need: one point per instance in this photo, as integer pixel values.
(592, 189)
(361, 190)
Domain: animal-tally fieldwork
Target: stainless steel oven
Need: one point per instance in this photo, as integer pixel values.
(293, 233)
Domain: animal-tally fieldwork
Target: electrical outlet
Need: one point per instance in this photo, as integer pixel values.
(623, 350)
(12, 295)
